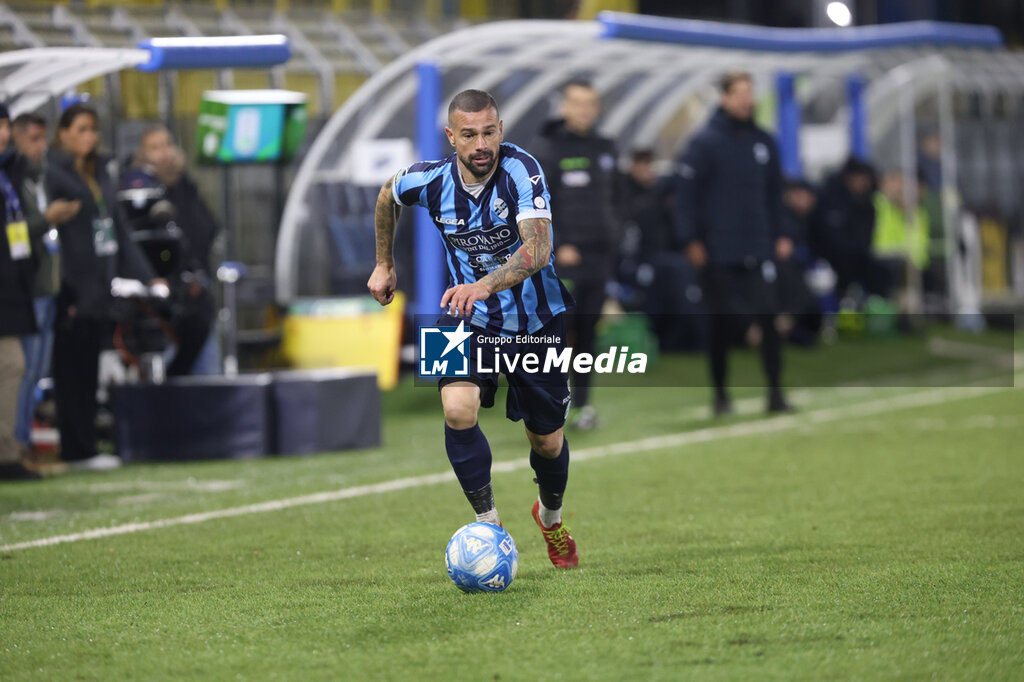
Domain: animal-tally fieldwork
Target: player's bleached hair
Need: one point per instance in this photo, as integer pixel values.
(471, 101)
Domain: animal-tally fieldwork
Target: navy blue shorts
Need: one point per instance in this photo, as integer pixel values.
(540, 399)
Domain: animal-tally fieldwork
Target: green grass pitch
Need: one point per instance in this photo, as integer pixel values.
(877, 534)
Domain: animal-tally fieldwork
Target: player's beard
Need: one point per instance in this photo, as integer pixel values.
(474, 169)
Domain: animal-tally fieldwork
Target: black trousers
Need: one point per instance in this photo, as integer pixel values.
(76, 354)
(738, 296)
(581, 325)
(192, 328)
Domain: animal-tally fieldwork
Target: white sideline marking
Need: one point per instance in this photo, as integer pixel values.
(189, 484)
(780, 423)
(962, 350)
(34, 515)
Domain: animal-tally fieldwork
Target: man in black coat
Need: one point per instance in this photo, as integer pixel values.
(580, 167)
(729, 217)
(17, 316)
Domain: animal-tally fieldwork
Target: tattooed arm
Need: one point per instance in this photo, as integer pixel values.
(383, 281)
(528, 259)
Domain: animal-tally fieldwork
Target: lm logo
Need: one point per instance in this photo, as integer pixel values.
(444, 351)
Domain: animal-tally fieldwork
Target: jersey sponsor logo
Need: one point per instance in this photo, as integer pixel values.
(489, 262)
(761, 153)
(500, 208)
(458, 222)
(535, 179)
(539, 202)
(492, 240)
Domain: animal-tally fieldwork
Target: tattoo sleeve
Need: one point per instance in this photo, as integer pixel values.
(385, 219)
(528, 259)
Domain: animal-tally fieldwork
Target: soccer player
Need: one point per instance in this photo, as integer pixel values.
(490, 203)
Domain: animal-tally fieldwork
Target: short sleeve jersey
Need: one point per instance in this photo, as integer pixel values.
(481, 233)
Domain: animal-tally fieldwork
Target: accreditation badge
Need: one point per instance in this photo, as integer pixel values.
(17, 239)
(104, 238)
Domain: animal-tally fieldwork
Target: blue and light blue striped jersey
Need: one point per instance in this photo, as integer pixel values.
(481, 233)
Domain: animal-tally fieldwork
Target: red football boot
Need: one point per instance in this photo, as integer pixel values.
(561, 546)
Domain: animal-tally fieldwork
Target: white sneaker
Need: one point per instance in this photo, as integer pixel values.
(586, 420)
(100, 462)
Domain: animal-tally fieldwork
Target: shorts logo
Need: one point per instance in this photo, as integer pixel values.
(500, 208)
(444, 351)
(539, 202)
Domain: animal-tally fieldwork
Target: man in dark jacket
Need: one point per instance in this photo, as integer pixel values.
(16, 314)
(42, 216)
(729, 217)
(580, 170)
(843, 225)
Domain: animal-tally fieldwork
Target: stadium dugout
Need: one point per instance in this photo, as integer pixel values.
(862, 90)
(243, 416)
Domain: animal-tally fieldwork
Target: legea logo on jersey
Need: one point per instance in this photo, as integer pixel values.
(444, 351)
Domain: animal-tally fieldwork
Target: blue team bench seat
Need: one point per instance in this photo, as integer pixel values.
(247, 416)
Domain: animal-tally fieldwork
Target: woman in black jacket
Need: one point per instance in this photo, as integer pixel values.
(96, 248)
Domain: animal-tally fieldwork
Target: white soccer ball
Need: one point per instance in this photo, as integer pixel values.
(481, 557)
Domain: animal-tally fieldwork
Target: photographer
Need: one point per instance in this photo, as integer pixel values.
(159, 195)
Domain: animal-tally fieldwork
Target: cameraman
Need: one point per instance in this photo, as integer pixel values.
(159, 166)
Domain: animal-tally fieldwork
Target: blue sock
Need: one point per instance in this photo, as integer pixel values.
(552, 476)
(470, 455)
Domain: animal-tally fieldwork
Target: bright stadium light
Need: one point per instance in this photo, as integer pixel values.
(839, 13)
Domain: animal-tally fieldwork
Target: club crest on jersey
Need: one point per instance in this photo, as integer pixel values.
(500, 208)
(761, 153)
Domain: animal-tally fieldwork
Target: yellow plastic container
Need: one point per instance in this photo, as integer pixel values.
(345, 332)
